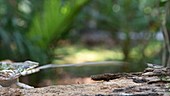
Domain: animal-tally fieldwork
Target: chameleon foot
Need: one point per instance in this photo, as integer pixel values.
(25, 86)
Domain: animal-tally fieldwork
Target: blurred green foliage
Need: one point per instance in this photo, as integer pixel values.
(31, 29)
(57, 18)
(134, 25)
(52, 31)
(28, 27)
(15, 19)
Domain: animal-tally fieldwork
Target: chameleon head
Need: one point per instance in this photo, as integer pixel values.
(31, 64)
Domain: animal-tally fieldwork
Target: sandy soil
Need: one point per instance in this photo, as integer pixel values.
(150, 82)
(116, 87)
(71, 90)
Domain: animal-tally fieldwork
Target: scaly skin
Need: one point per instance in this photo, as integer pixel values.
(10, 72)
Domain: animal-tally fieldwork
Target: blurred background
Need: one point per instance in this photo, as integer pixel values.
(77, 31)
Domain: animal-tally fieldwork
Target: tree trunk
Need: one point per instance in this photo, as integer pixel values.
(166, 34)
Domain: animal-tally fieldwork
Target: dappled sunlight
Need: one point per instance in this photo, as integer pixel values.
(74, 54)
(153, 48)
(150, 50)
(71, 80)
(86, 56)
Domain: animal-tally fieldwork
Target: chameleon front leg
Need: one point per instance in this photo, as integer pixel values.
(22, 85)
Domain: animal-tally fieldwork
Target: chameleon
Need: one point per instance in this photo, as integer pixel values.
(11, 71)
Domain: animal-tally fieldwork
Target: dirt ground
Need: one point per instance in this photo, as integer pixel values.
(151, 82)
(117, 87)
(104, 88)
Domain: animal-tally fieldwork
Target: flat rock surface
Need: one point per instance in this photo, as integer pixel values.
(116, 87)
(151, 82)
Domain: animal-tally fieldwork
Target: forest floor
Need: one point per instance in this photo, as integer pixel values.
(147, 83)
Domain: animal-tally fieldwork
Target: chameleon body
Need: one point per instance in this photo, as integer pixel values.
(10, 72)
